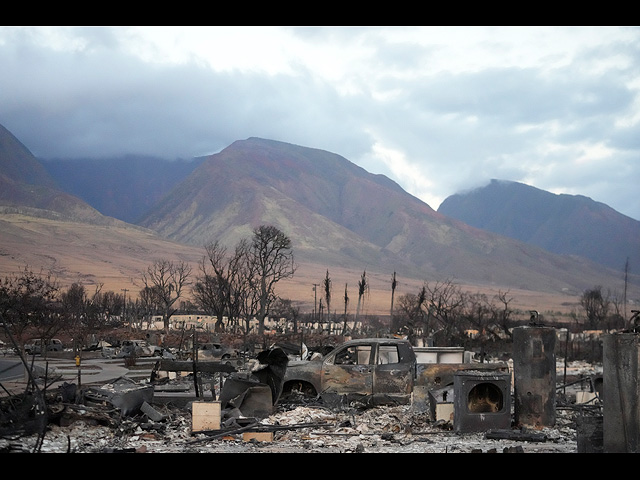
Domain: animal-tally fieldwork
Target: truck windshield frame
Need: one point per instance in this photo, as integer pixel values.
(352, 355)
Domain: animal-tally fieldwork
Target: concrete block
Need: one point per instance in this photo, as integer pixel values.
(444, 411)
(205, 416)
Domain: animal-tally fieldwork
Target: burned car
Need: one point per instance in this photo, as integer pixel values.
(36, 346)
(138, 348)
(375, 370)
(383, 369)
(216, 351)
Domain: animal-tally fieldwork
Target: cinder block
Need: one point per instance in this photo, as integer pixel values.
(205, 416)
(444, 411)
(258, 436)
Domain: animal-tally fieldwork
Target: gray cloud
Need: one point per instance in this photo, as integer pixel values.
(563, 119)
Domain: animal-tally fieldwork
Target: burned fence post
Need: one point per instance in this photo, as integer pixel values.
(621, 408)
(534, 366)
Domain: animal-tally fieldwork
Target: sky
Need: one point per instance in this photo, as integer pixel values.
(438, 109)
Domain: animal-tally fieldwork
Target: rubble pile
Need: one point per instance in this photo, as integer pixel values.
(308, 429)
(125, 415)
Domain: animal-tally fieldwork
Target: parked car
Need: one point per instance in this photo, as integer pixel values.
(35, 345)
(138, 348)
(215, 351)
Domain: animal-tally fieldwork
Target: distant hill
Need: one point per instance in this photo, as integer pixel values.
(312, 195)
(563, 224)
(18, 164)
(338, 213)
(43, 228)
(124, 188)
(338, 216)
(25, 185)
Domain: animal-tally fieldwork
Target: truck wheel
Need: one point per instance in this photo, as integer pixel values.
(301, 387)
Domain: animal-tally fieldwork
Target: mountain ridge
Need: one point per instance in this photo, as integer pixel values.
(18, 164)
(339, 215)
(560, 223)
(124, 187)
(266, 180)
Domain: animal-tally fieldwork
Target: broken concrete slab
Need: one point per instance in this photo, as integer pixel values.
(151, 412)
(251, 397)
(124, 394)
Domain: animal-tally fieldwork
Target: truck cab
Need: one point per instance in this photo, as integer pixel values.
(382, 369)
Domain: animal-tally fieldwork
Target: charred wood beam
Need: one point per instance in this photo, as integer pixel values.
(256, 427)
(516, 435)
(188, 366)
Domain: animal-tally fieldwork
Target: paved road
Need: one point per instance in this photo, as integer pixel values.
(11, 369)
(91, 371)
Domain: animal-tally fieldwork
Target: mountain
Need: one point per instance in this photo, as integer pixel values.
(18, 164)
(124, 188)
(46, 229)
(336, 213)
(339, 217)
(562, 224)
(316, 197)
(25, 185)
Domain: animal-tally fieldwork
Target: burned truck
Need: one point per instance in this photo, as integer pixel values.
(375, 370)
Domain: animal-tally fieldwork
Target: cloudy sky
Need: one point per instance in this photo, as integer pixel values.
(438, 109)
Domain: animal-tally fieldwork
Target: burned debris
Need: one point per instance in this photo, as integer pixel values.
(254, 393)
(247, 394)
(124, 395)
(256, 403)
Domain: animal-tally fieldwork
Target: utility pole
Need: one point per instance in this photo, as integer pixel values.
(315, 300)
(125, 306)
(394, 284)
(626, 273)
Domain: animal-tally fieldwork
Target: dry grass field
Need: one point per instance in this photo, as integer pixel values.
(114, 257)
(378, 300)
